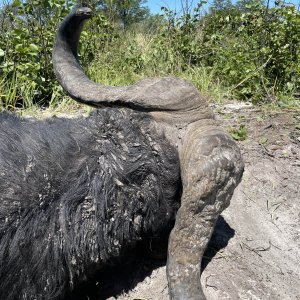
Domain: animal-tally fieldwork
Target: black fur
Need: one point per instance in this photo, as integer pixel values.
(76, 193)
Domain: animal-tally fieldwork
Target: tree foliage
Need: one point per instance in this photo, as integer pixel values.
(221, 5)
(125, 12)
(250, 48)
(26, 46)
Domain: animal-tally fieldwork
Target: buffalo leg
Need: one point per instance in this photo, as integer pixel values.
(211, 168)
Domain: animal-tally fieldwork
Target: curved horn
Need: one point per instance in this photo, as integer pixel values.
(152, 94)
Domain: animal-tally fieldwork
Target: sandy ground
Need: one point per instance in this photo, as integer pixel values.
(255, 250)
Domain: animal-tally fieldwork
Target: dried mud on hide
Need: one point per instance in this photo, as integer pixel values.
(255, 249)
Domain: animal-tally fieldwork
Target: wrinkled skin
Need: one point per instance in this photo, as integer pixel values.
(210, 162)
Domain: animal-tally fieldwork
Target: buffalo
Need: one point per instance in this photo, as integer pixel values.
(79, 193)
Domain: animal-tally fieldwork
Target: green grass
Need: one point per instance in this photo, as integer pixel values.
(125, 60)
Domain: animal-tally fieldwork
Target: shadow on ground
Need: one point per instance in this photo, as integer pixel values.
(219, 240)
(114, 280)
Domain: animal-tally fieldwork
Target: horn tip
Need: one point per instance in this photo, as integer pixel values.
(84, 12)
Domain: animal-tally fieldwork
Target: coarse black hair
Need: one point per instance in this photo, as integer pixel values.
(75, 193)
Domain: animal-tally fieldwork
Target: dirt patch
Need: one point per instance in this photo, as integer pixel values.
(255, 250)
(262, 259)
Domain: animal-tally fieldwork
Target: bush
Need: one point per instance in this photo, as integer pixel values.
(248, 50)
(26, 45)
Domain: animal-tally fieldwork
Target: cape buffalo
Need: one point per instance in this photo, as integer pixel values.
(78, 193)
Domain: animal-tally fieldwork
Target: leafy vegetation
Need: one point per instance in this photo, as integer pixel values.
(238, 134)
(248, 50)
(26, 45)
(124, 12)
